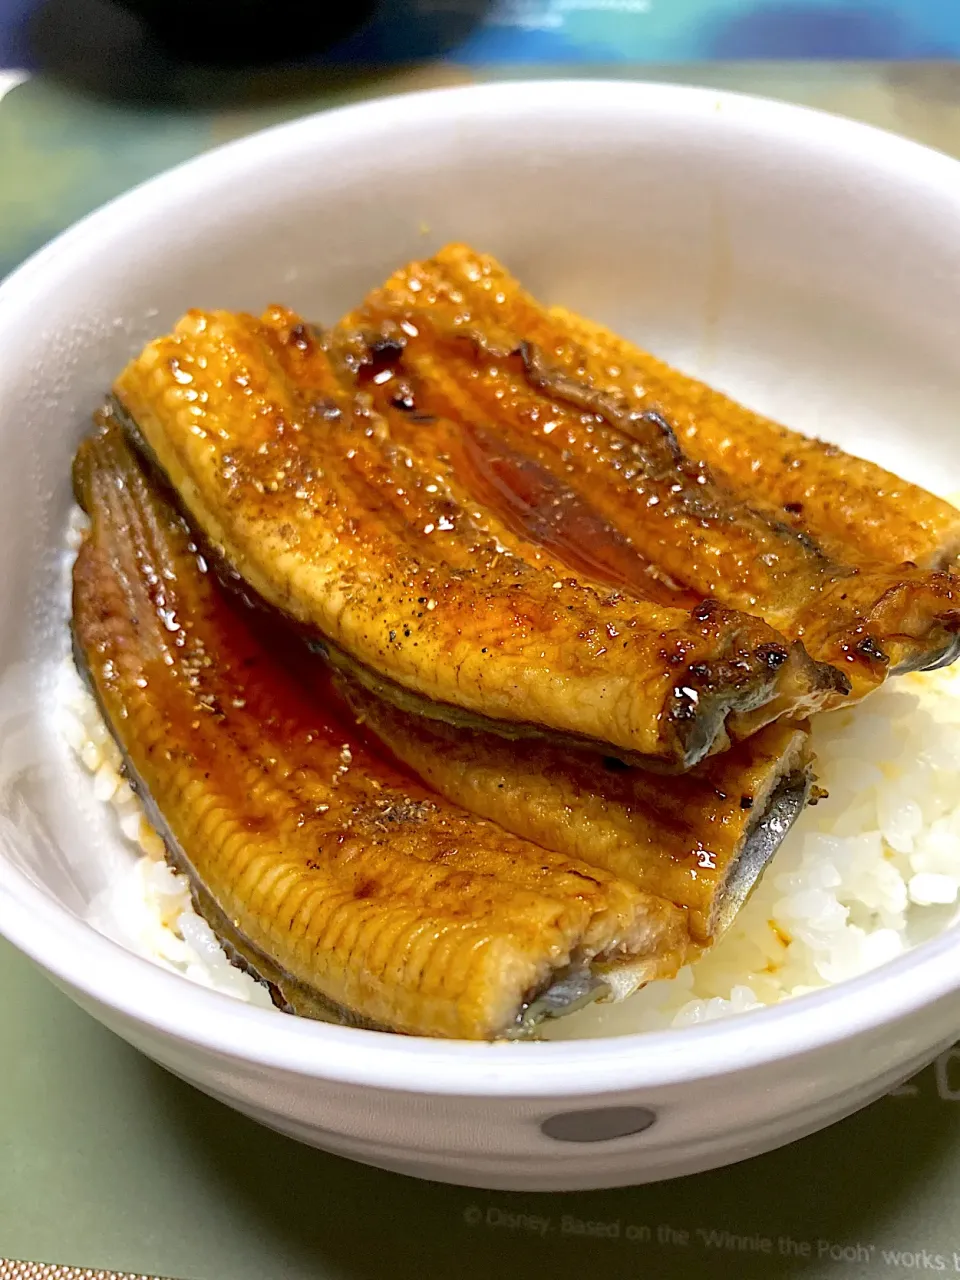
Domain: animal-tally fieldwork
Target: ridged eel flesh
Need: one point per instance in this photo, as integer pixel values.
(583, 446)
(359, 538)
(331, 872)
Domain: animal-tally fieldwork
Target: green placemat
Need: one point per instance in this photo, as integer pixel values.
(108, 1162)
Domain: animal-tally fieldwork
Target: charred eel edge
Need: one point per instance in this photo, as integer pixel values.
(707, 734)
(787, 802)
(944, 657)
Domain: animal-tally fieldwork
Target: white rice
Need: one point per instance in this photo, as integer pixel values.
(862, 877)
(147, 907)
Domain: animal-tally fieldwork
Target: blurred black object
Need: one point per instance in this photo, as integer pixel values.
(198, 55)
(249, 33)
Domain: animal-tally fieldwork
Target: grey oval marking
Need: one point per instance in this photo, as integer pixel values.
(599, 1125)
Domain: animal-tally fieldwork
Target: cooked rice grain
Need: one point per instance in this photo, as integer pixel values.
(863, 876)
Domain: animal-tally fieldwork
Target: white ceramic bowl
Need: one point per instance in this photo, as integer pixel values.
(808, 264)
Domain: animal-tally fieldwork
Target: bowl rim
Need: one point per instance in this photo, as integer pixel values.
(140, 992)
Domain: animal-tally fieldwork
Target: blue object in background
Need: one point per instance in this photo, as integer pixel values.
(676, 31)
(867, 30)
(635, 31)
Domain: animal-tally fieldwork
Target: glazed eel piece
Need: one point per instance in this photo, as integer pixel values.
(421, 590)
(357, 893)
(858, 511)
(701, 840)
(458, 359)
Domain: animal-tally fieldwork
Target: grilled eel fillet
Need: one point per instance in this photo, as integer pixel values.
(856, 510)
(458, 359)
(357, 892)
(300, 487)
(701, 840)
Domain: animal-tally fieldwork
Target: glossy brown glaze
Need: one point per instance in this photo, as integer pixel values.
(474, 353)
(380, 547)
(540, 508)
(701, 840)
(857, 510)
(358, 892)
